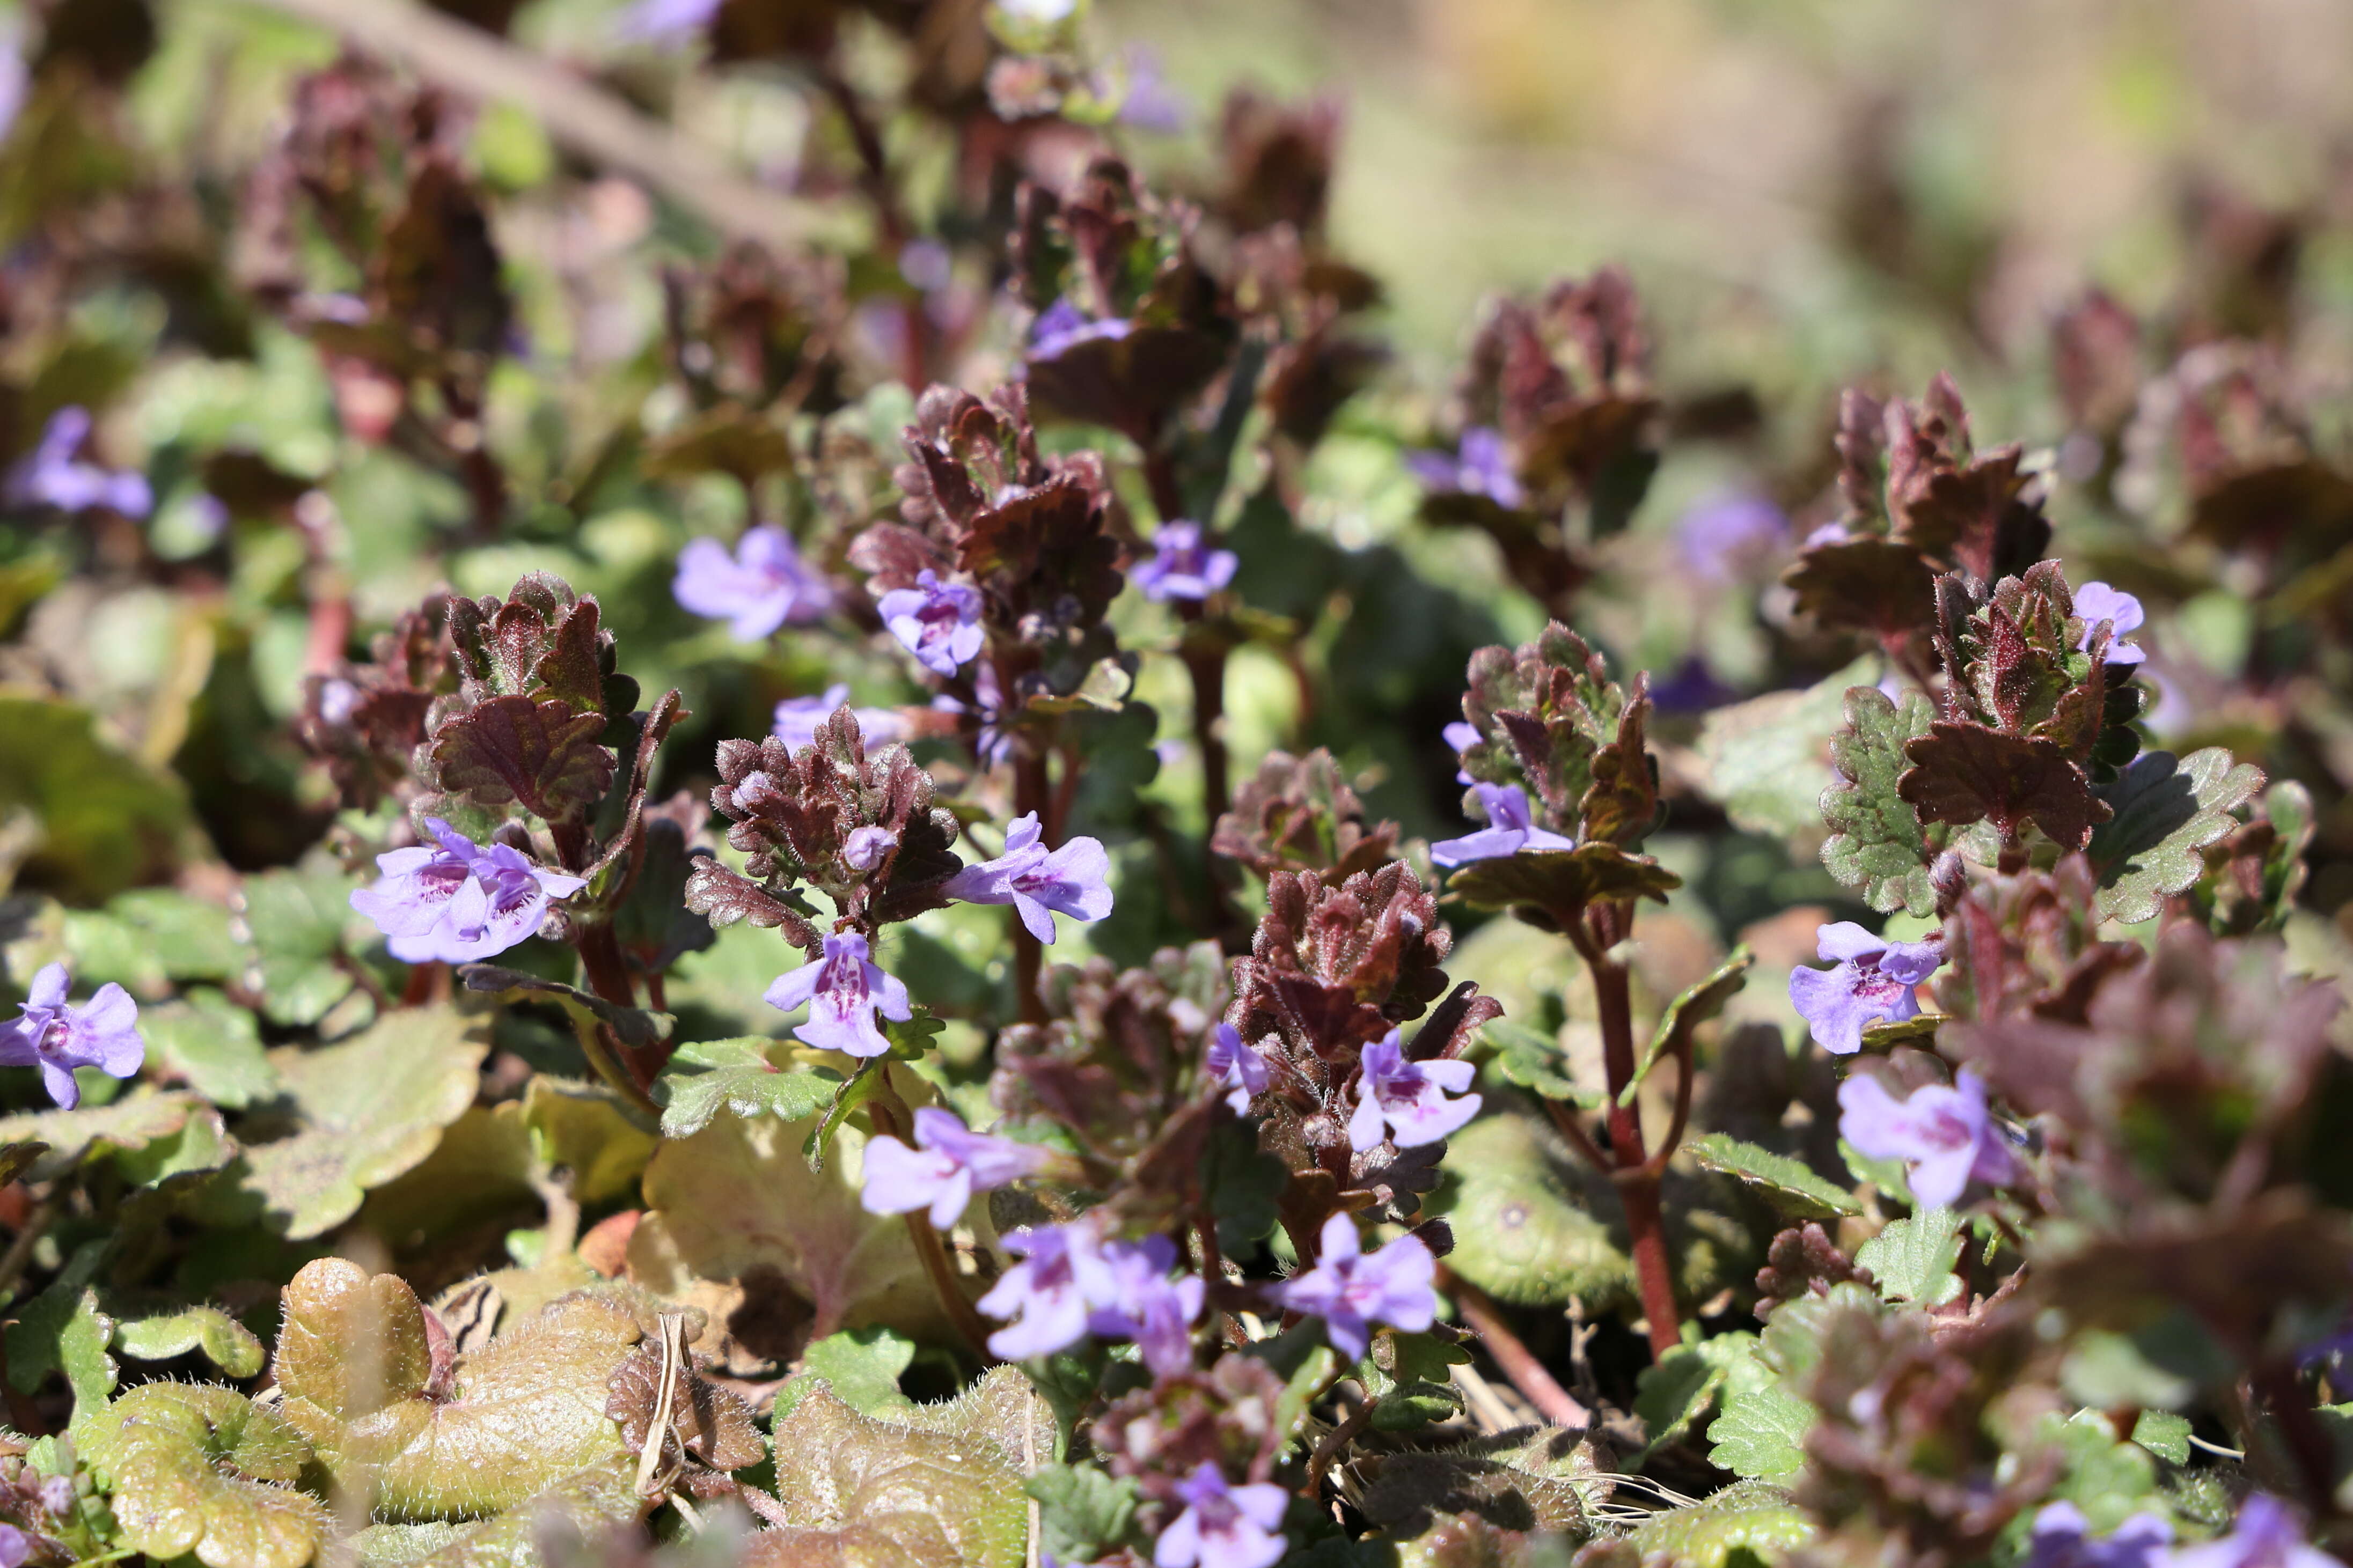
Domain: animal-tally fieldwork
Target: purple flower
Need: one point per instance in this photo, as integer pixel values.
(1723, 538)
(1223, 1526)
(2096, 601)
(843, 990)
(1459, 737)
(1062, 326)
(460, 901)
(797, 719)
(1509, 829)
(54, 476)
(664, 21)
(1051, 1292)
(760, 587)
(1872, 984)
(990, 744)
(1946, 1135)
(1180, 568)
(15, 1546)
(1239, 1065)
(102, 1032)
(867, 847)
(1149, 103)
(1481, 466)
(1140, 1302)
(1351, 1291)
(2265, 1537)
(938, 622)
(949, 1164)
(1409, 1096)
(2061, 1539)
(1035, 881)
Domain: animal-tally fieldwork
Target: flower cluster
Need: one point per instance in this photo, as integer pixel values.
(455, 901)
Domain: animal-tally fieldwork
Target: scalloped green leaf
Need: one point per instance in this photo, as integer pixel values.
(1876, 842)
(298, 918)
(1082, 1513)
(226, 1343)
(2167, 811)
(861, 1366)
(65, 1328)
(1750, 1518)
(214, 1044)
(1761, 1433)
(1789, 1185)
(707, 1077)
(1914, 1259)
(364, 1112)
(1767, 760)
(857, 1489)
(1524, 1229)
(200, 1470)
(140, 1118)
(1532, 1059)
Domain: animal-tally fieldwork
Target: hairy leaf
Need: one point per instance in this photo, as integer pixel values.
(1750, 1521)
(202, 1470)
(2165, 812)
(861, 1366)
(1557, 884)
(1965, 773)
(1762, 1433)
(1765, 759)
(1083, 1514)
(736, 1077)
(856, 1489)
(226, 1343)
(1876, 841)
(214, 1044)
(1524, 1230)
(132, 1122)
(1914, 1259)
(510, 751)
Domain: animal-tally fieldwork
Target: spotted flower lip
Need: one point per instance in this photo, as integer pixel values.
(54, 476)
(2097, 602)
(1352, 1290)
(937, 622)
(1481, 465)
(1182, 566)
(57, 1037)
(1409, 1098)
(843, 990)
(947, 1168)
(1510, 829)
(1240, 1065)
(1223, 1525)
(1039, 882)
(1873, 982)
(1046, 1299)
(1947, 1136)
(456, 902)
(759, 588)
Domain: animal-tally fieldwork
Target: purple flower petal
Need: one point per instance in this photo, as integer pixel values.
(1510, 830)
(1182, 566)
(1873, 983)
(1948, 1136)
(843, 990)
(57, 1037)
(757, 589)
(937, 622)
(1409, 1098)
(1040, 883)
(1351, 1291)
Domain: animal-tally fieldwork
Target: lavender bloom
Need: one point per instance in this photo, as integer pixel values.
(102, 1032)
(2096, 601)
(1459, 737)
(664, 21)
(1481, 466)
(1223, 1526)
(1872, 984)
(1035, 881)
(1239, 1065)
(15, 1546)
(1351, 1291)
(1722, 539)
(1052, 1291)
(949, 1166)
(938, 622)
(760, 587)
(1180, 567)
(1509, 829)
(1141, 1302)
(2264, 1537)
(844, 989)
(1149, 103)
(1408, 1097)
(53, 475)
(1946, 1135)
(458, 902)
(1062, 326)
(797, 719)
(867, 847)
(2062, 1540)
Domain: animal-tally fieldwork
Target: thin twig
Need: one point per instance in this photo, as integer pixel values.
(1519, 1363)
(581, 116)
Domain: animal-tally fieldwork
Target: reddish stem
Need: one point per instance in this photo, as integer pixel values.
(1638, 1185)
(1519, 1363)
